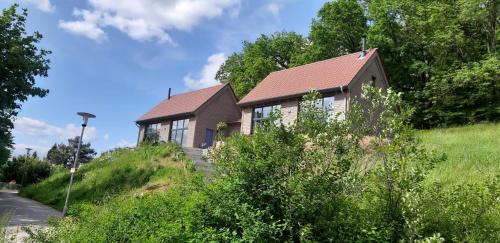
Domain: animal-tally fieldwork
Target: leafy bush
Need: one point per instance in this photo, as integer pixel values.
(25, 170)
(469, 212)
(463, 96)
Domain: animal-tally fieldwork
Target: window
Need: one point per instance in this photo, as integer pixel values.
(261, 114)
(325, 103)
(152, 133)
(178, 132)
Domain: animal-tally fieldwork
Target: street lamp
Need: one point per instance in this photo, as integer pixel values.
(28, 150)
(85, 117)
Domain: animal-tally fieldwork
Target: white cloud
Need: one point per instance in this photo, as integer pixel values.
(33, 127)
(106, 137)
(125, 143)
(87, 27)
(146, 19)
(274, 9)
(207, 76)
(43, 5)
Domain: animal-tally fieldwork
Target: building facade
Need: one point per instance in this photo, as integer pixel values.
(338, 80)
(190, 119)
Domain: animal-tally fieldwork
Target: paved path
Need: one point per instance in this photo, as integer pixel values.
(24, 212)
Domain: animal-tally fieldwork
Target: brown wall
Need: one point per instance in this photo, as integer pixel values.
(142, 129)
(289, 112)
(373, 68)
(221, 108)
(165, 131)
(246, 120)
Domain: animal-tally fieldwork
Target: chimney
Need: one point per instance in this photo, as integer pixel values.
(363, 47)
(169, 90)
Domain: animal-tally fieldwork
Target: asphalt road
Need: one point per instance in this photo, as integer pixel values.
(25, 211)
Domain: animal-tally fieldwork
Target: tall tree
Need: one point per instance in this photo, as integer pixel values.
(337, 30)
(64, 154)
(20, 62)
(267, 54)
(423, 43)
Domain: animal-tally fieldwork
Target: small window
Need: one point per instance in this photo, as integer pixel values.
(261, 114)
(374, 80)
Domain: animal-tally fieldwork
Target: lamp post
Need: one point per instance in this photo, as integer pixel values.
(28, 150)
(85, 116)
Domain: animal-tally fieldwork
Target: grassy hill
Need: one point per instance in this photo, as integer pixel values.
(111, 199)
(473, 152)
(147, 168)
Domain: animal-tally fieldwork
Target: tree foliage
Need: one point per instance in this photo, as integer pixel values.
(64, 154)
(267, 54)
(25, 170)
(426, 43)
(337, 30)
(21, 61)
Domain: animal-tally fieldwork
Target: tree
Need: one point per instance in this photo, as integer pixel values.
(65, 154)
(24, 170)
(423, 43)
(246, 69)
(337, 30)
(21, 62)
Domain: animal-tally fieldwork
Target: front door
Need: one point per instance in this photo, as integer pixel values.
(209, 137)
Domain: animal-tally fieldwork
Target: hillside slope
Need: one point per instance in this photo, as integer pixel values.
(120, 172)
(473, 153)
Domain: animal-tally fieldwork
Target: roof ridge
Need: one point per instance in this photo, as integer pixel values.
(326, 60)
(321, 75)
(192, 91)
(189, 102)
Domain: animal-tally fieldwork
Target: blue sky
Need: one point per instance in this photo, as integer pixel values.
(118, 58)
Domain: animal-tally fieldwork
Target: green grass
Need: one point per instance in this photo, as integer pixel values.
(473, 153)
(144, 169)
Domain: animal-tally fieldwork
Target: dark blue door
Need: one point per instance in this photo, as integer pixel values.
(209, 138)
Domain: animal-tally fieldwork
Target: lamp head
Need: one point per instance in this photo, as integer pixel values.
(85, 117)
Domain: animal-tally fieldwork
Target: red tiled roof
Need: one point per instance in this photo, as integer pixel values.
(184, 103)
(322, 75)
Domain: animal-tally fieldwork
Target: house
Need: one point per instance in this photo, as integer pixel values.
(339, 81)
(190, 119)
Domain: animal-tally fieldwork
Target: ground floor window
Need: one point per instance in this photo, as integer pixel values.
(152, 133)
(178, 132)
(325, 103)
(261, 114)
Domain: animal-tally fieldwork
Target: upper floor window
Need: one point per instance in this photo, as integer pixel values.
(261, 114)
(152, 133)
(178, 133)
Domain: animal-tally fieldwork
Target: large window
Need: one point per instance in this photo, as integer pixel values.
(178, 133)
(152, 133)
(325, 103)
(261, 114)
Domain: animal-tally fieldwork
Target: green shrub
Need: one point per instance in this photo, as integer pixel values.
(464, 213)
(25, 170)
